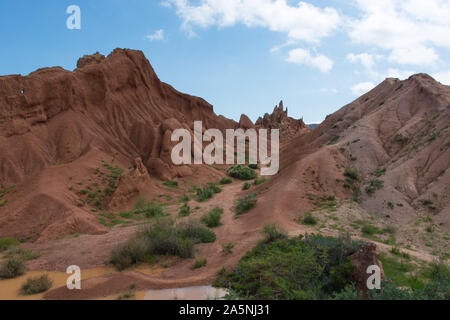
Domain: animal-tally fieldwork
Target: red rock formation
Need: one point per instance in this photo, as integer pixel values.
(56, 124)
(279, 119)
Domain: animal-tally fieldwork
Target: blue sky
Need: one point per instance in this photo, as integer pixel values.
(242, 56)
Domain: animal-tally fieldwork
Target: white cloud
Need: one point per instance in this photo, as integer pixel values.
(410, 30)
(366, 59)
(329, 90)
(302, 56)
(443, 77)
(303, 21)
(156, 36)
(361, 88)
(401, 74)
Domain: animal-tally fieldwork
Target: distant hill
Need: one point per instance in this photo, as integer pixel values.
(312, 126)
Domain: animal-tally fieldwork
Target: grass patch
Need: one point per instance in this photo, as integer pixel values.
(171, 184)
(369, 229)
(8, 242)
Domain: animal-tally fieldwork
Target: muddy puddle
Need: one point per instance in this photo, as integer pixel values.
(189, 293)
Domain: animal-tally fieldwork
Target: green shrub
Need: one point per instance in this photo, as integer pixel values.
(312, 268)
(272, 233)
(195, 231)
(309, 219)
(12, 268)
(6, 243)
(36, 285)
(242, 173)
(227, 248)
(246, 203)
(246, 186)
(207, 192)
(226, 180)
(374, 185)
(351, 174)
(212, 219)
(133, 251)
(253, 166)
(380, 172)
(161, 238)
(199, 263)
(171, 184)
(257, 182)
(185, 210)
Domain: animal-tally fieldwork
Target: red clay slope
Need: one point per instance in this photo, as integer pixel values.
(56, 125)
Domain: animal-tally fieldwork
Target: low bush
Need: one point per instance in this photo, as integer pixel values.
(253, 166)
(199, 263)
(161, 238)
(246, 203)
(272, 233)
(374, 185)
(207, 192)
(246, 186)
(12, 268)
(242, 173)
(257, 182)
(185, 210)
(212, 218)
(36, 285)
(309, 219)
(226, 180)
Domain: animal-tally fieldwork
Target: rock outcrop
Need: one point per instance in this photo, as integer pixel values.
(279, 119)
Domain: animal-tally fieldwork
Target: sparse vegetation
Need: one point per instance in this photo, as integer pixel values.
(212, 218)
(374, 185)
(199, 263)
(171, 184)
(246, 203)
(185, 210)
(227, 248)
(36, 285)
(272, 233)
